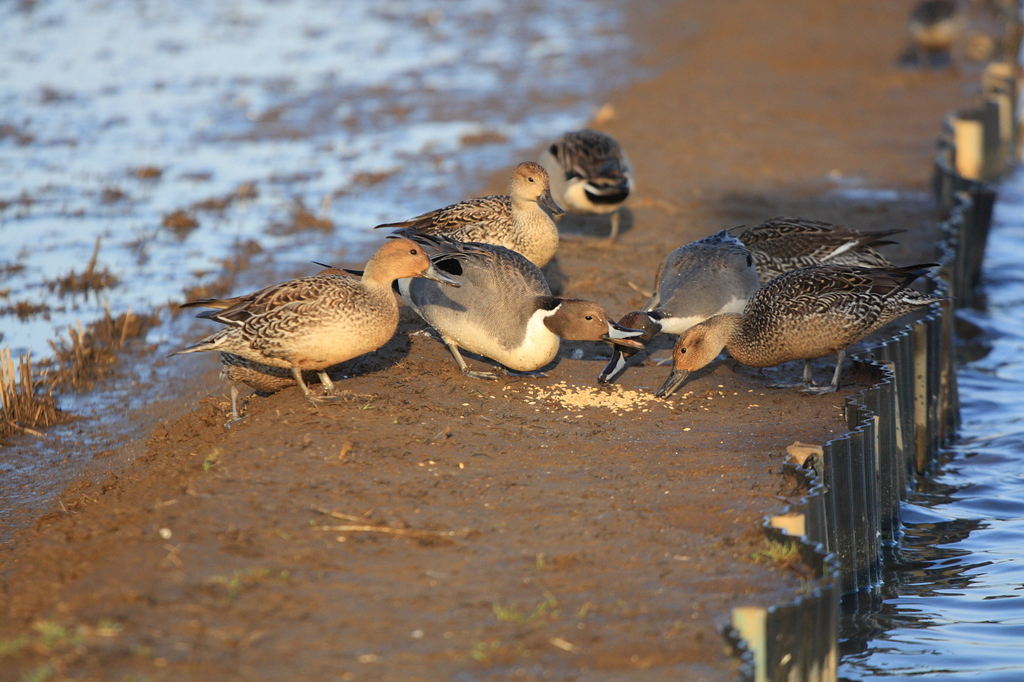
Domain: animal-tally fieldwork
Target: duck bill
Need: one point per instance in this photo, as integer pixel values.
(674, 381)
(433, 273)
(548, 203)
(623, 336)
(616, 366)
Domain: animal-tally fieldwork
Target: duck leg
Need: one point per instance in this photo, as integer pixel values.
(454, 349)
(833, 386)
(614, 235)
(805, 384)
(325, 380)
(310, 398)
(235, 417)
(527, 375)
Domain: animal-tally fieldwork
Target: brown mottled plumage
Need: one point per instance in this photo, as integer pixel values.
(313, 323)
(783, 244)
(520, 221)
(800, 315)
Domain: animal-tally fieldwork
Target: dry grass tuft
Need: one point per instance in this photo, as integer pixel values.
(25, 310)
(247, 190)
(88, 354)
(783, 555)
(22, 406)
(302, 220)
(92, 279)
(112, 195)
(148, 172)
(180, 222)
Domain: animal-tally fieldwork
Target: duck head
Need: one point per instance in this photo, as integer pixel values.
(530, 182)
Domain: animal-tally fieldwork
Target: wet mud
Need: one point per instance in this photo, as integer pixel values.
(428, 526)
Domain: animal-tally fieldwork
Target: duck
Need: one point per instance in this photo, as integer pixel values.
(590, 174)
(800, 315)
(522, 220)
(933, 27)
(782, 244)
(313, 323)
(235, 369)
(503, 309)
(704, 278)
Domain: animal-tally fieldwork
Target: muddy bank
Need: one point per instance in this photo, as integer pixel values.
(430, 526)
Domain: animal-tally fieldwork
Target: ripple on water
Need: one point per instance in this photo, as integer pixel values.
(952, 610)
(114, 115)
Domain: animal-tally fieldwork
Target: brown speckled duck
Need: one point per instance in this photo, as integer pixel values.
(520, 221)
(312, 323)
(783, 244)
(803, 314)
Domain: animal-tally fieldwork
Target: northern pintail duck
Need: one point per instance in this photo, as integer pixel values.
(698, 280)
(521, 220)
(313, 323)
(783, 244)
(933, 28)
(503, 309)
(803, 314)
(590, 174)
(238, 370)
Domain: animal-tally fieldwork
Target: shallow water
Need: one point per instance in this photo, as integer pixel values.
(952, 606)
(361, 111)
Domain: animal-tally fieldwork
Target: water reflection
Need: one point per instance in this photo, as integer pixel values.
(950, 606)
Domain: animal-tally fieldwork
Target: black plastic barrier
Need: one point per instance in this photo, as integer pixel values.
(851, 512)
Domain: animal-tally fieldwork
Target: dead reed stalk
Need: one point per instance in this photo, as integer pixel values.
(22, 408)
(89, 353)
(92, 279)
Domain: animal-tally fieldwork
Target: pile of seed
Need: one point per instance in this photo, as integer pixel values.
(614, 397)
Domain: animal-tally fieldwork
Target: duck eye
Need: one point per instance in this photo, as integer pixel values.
(530, 179)
(414, 252)
(682, 350)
